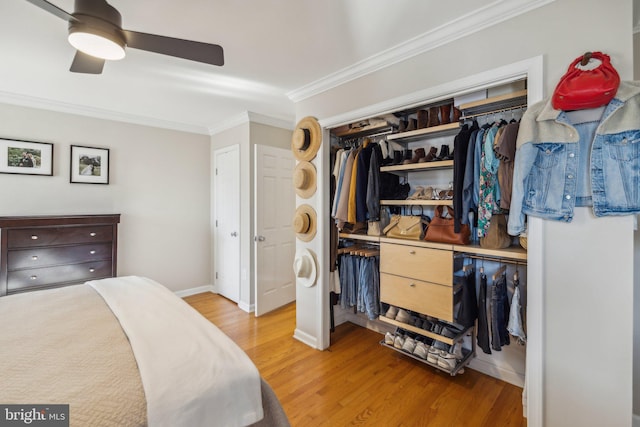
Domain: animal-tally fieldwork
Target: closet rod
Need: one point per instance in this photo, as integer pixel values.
(492, 258)
(488, 113)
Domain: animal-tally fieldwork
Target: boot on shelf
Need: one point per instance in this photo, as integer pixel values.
(423, 119)
(445, 114)
(456, 115)
(444, 153)
(397, 157)
(433, 117)
(402, 127)
(406, 156)
(417, 155)
(413, 125)
(431, 155)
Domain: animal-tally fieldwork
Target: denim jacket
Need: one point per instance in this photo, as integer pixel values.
(559, 165)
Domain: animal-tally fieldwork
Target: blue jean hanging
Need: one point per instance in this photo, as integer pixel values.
(499, 313)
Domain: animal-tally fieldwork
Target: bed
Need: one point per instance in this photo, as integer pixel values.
(125, 351)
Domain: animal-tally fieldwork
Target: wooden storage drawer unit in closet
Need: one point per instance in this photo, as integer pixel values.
(418, 279)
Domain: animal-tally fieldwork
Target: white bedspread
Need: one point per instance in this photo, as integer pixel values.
(192, 373)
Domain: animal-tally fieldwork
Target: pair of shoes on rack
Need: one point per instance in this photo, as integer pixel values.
(422, 193)
(444, 355)
(398, 314)
(421, 350)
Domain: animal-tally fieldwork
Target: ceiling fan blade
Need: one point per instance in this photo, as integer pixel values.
(187, 49)
(51, 8)
(83, 63)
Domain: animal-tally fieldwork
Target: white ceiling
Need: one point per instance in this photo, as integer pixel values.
(273, 48)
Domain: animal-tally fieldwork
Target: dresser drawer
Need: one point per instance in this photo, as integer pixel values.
(22, 280)
(26, 238)
(46, 257)
(415, 295)
(430, 265)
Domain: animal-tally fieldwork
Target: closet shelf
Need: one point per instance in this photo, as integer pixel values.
(416, 202)
(416, 167)
(413, 135)
(512, 252)
(364, 237)
(506, 101)
(424, 332)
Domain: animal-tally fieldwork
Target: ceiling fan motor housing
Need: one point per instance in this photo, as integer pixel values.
(99, 18)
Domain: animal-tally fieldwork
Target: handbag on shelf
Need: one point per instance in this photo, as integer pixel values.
(373, 228)
(583, 86)
(441, 229)
(404, 227)
(496, 236)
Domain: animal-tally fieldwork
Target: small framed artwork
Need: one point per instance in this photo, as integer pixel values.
(26, 157)
(89, 165)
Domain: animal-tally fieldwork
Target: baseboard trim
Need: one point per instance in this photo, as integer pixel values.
(249, 308)
(306, 338)
(497, 371)
(192, 291)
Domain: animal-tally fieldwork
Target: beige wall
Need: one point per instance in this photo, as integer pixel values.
(582, 310)
(159, 182)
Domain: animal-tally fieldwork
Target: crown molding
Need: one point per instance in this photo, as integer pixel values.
(465, 25)
(251, 117)
(83, 110)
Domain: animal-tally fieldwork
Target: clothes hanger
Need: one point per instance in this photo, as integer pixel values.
(500, 272)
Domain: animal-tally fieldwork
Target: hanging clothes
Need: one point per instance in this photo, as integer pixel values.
(483, 324)
(460, 146)
(468, 302)
(360, 283)
(499, 313)
(514, 326)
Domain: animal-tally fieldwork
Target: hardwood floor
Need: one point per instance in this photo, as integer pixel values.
(358, 381)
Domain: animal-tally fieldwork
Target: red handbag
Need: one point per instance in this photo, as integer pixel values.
(583, 88)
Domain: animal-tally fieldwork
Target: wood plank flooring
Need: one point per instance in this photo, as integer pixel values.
(358, 381)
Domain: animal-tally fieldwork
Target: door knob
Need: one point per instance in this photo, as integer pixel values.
(234, 234)
(259, 239)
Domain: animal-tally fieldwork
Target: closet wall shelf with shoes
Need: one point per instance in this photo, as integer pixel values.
(426, 333)
(416, 202)
(415, 167)
(416, 134)
(505, 102)
(459, 364)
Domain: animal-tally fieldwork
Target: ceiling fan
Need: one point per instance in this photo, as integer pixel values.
(95, 30)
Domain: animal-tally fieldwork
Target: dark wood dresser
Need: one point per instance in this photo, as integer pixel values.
(42, 252)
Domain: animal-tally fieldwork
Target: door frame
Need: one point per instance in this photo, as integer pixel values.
(533, 70)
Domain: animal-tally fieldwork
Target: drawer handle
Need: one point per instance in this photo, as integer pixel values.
(35, 257)
(92, 252)
(34, 237)
(92, 234)
(91, 270)
(33, 277)
(412, 252)
(413, 285)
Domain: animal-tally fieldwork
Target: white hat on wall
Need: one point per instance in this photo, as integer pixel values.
(304, 267)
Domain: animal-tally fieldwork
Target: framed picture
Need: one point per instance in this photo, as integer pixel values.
(89, 165)
(26, 157)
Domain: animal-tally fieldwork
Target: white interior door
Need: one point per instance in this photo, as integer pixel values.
(274, 205)
(226, 225)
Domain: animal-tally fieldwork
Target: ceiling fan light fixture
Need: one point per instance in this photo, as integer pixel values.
(97, 45)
